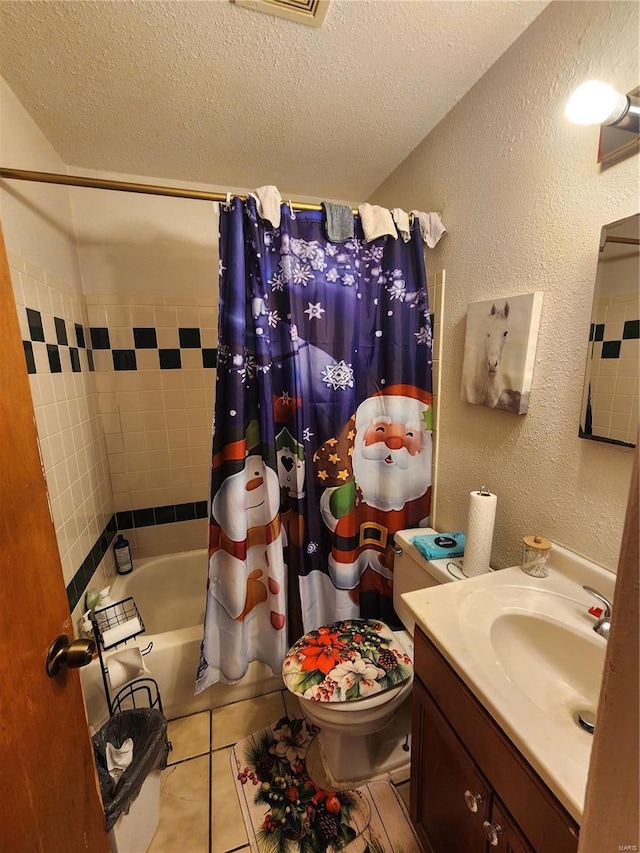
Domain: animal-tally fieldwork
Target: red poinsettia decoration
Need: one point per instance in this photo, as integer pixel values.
(322, 652)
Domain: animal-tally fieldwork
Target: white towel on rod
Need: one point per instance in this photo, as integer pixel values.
(401, 219)
(268, 201)
(431, 227)
(376, 222)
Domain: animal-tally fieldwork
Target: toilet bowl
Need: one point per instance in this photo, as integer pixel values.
(350, 748)
(366, 738)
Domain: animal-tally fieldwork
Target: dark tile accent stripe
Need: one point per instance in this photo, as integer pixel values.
(34, 318)
(170, 359)
(127, 520)
(145, 338)
(75, 359)
(79, 336)
(599, 332)
(124, 359)
(151, 516)
(61, 331)
(28, 354)
(611, 349)
(54, 358)
(631, 330)
(209, 357)
(99, 337)
(189, 338)
(77, 586)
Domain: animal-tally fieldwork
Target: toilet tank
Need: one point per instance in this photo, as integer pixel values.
(411, 571)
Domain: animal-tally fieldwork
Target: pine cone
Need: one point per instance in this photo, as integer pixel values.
(264, 768)
(387, 659)
(327, 826)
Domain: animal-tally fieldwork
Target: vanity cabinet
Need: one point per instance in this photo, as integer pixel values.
(471, 790)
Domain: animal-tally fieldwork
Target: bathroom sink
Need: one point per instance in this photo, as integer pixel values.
(527, 649)
(563, 666)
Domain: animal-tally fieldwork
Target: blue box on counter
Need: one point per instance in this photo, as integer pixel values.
(439, 546)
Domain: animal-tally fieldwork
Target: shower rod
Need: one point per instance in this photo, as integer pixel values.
(122, 186)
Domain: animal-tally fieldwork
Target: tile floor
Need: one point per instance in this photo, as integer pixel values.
(199, 808)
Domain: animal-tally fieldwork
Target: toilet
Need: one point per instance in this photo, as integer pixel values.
(366, 737)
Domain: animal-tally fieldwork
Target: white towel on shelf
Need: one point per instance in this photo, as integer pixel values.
(401, 219)
(376, 222)
(121, 632)
(431, 227)
(124, 666)
(119, 759)
(268, 201)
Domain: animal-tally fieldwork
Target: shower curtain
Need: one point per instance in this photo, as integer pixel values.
(322, 432)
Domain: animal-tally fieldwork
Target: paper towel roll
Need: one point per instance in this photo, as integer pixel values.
(480, 521)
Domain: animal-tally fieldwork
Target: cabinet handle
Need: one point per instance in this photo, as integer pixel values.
(492, 832)
(473, 801)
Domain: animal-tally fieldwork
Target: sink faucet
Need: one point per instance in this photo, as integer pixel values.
(603, 625)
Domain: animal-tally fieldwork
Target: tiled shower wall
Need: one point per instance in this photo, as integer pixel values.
(54, 329)
(154, 362)
(612, 368)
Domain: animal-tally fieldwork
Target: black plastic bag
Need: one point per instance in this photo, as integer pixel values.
(147, 727)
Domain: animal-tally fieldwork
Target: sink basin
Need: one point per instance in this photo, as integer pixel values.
(563, 666)
(527, 650)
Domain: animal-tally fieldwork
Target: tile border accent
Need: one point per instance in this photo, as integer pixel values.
(128, 520)
(80, 581)
(151, 516)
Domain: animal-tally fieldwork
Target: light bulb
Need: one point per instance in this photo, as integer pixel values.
(595, 103)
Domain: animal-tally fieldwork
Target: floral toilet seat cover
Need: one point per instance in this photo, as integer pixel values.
(346, 661)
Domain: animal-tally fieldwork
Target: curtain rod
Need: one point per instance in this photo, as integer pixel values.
(121, 186)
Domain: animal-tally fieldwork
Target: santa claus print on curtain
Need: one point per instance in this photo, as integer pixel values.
(322, 439)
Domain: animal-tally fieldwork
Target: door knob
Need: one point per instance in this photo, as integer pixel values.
(473, 801)
(492, 832)
(63, 653)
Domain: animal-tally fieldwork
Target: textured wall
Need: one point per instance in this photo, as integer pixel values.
(524, 201)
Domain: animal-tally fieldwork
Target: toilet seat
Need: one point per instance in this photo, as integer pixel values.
(354, 664)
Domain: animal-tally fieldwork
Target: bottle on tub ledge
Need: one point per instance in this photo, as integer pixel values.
(124, 563)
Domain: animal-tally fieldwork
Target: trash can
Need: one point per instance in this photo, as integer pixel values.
(132, 802)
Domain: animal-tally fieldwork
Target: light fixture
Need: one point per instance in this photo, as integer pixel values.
(598, 103)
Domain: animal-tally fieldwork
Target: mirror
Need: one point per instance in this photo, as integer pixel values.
(610, 396)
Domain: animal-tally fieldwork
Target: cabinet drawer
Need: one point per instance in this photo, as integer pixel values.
(543, 820)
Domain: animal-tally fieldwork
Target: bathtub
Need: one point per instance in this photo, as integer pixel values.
(170, 593)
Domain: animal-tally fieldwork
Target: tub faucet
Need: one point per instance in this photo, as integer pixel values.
(603, 625)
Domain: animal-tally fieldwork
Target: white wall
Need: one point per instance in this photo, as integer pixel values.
(38, 228)
(524, 201)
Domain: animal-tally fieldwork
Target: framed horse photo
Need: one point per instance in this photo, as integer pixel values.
(500, 351)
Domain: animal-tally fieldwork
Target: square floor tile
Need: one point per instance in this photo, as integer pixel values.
(184, 809)
(189, 736)
(231, 723)
(227, 825)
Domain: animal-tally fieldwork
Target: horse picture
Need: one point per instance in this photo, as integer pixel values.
(499, 352)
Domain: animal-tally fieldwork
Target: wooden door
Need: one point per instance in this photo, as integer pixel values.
(49, 799)
(449, 798)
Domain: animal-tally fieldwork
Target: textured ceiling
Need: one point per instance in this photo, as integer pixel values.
(210, 92)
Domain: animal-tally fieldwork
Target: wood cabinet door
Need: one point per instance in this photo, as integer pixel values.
(502, 835)
(449, 798)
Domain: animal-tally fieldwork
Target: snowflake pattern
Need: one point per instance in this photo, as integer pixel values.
(221, 268)
(312, 547)
(423, 336)
(302, 274)
(397, 287)
(338, 376)
(273, 319)
(307, 435)
(315, 311)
